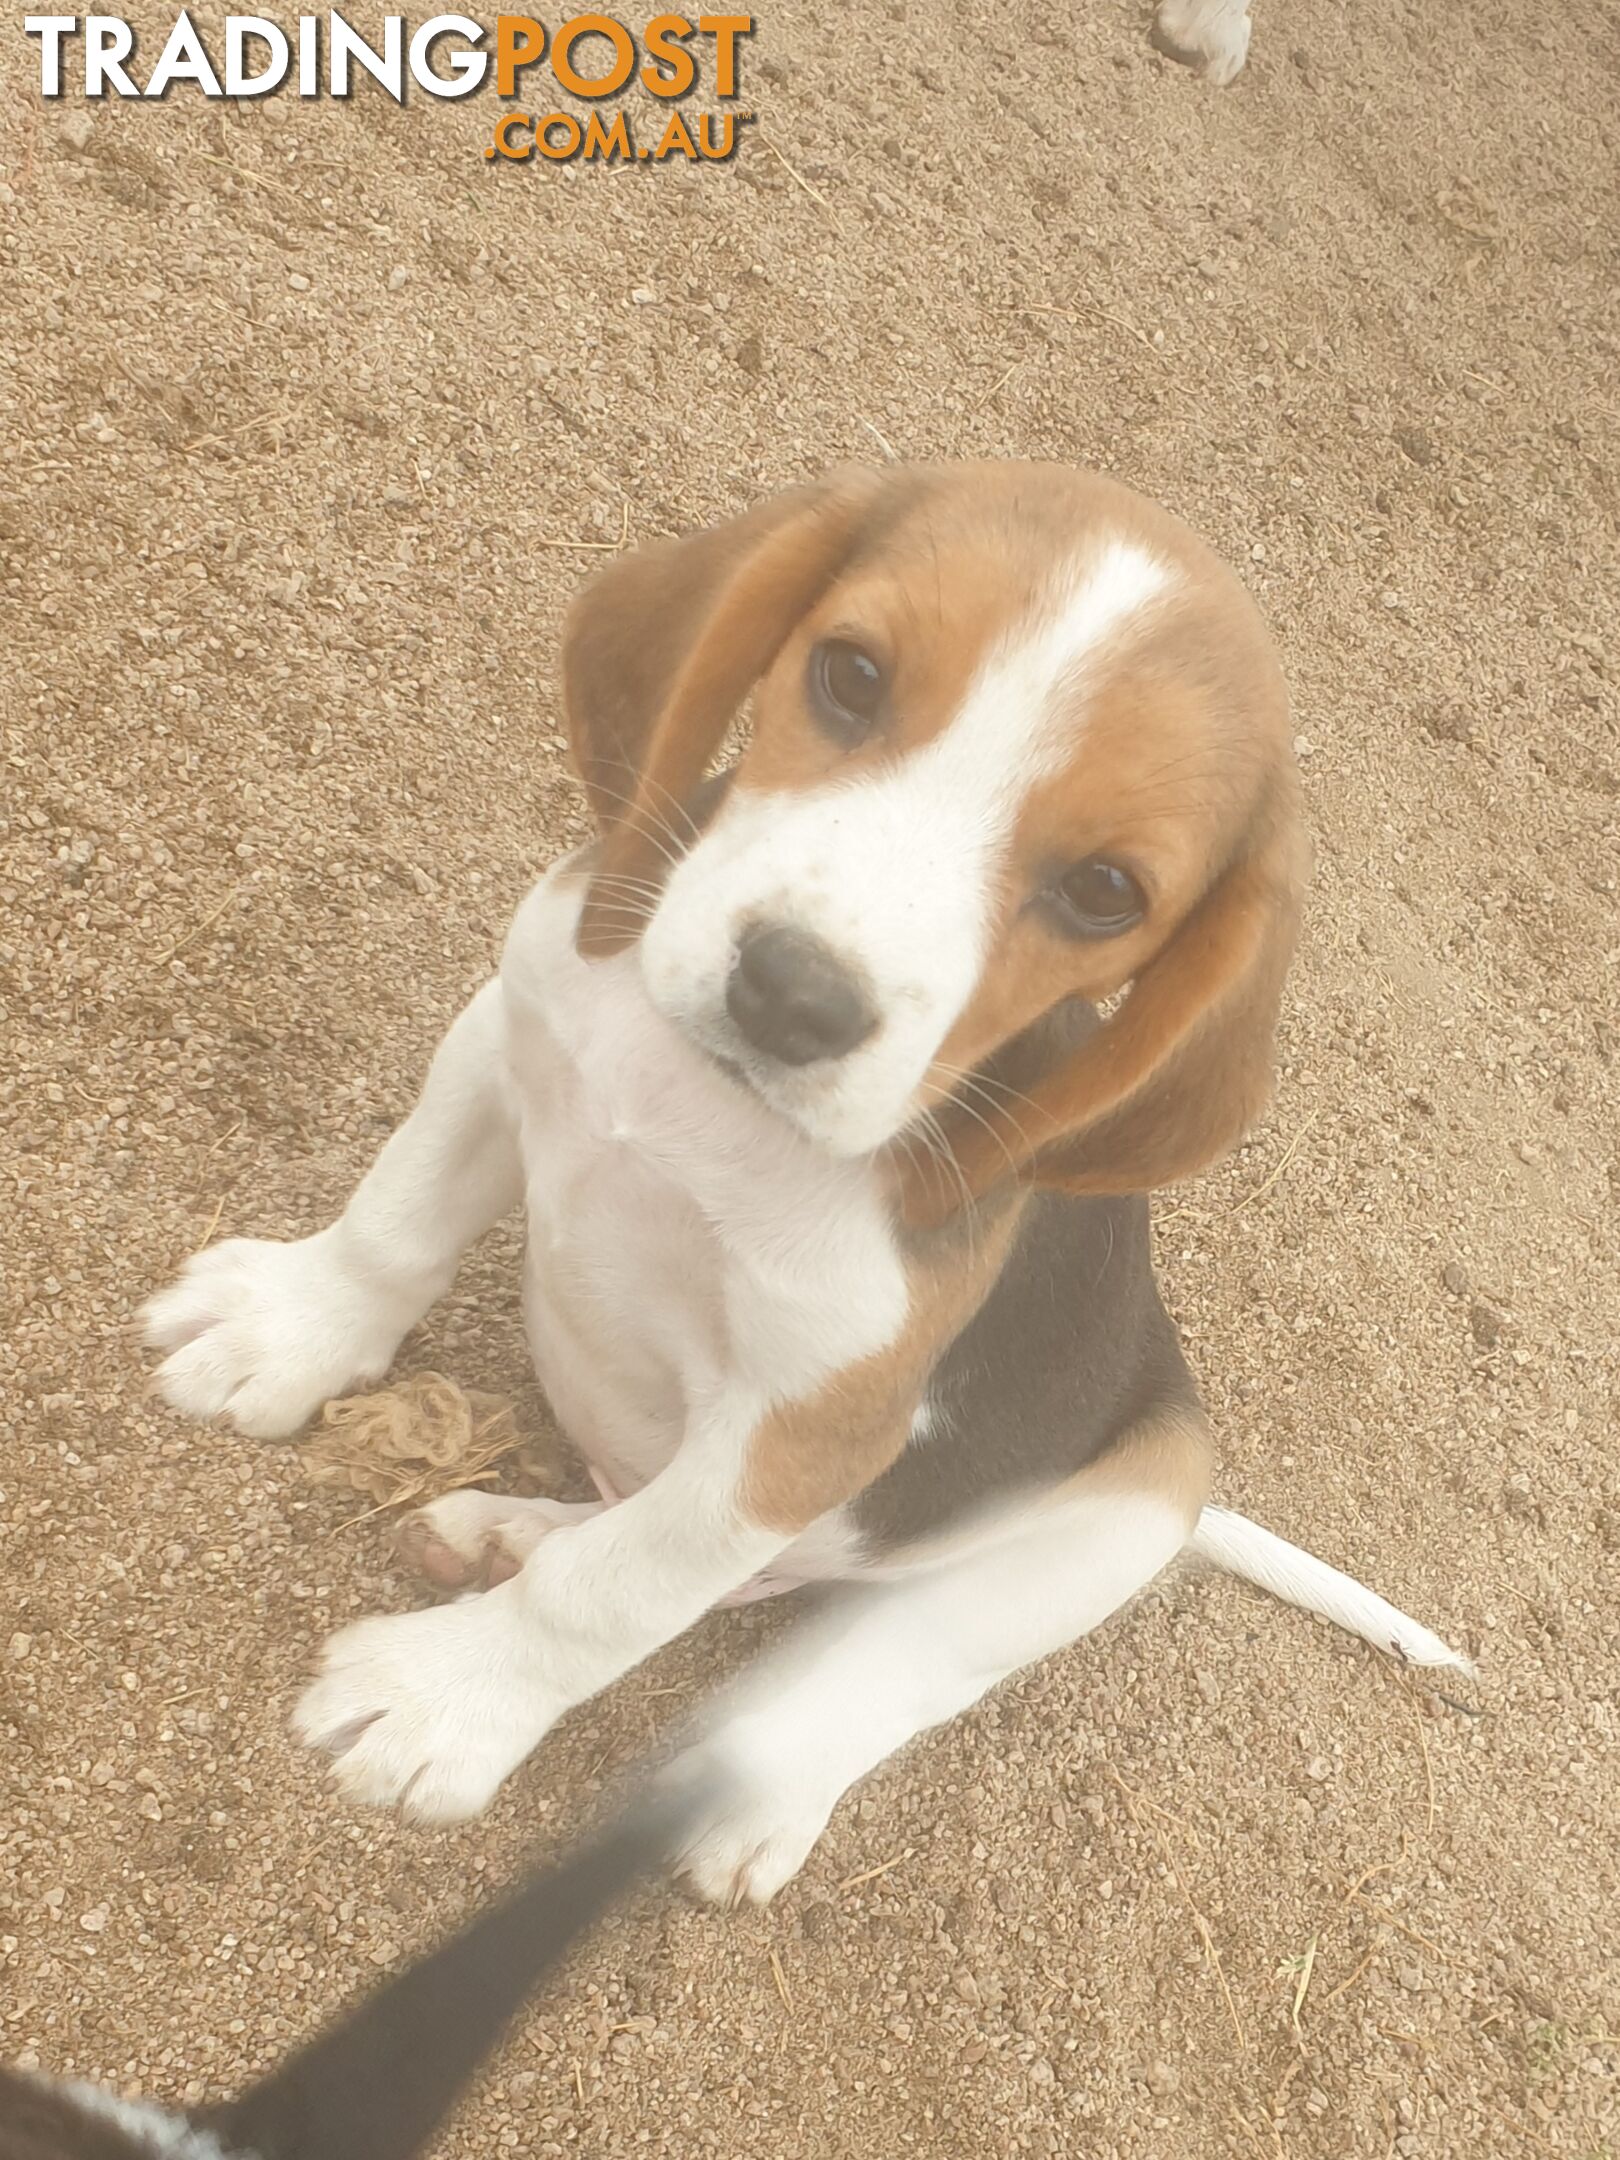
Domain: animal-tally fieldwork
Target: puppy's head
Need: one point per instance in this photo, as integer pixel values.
(1018, 739)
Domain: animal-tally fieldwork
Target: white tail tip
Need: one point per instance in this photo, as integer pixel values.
(1242, 1548)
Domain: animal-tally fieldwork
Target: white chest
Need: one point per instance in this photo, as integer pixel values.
(690, 1253)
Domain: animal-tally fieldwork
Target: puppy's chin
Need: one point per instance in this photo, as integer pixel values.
(798, 1101)
(817, 1112)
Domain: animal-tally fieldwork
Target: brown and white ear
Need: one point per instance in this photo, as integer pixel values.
(660, 651)
(1182, 1069)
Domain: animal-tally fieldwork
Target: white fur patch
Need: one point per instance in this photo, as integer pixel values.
(1210, 35)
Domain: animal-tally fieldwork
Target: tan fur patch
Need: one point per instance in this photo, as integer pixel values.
(1170, 1454)
(810, 1456)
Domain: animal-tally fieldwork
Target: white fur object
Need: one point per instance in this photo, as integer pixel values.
(149, 2128)
(1210, 35)
(1241, 1547)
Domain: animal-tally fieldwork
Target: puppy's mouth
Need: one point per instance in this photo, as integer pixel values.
(805, 1099)
(712, 1038)
(760, 1079)
(807, 1096)
(731, 1068)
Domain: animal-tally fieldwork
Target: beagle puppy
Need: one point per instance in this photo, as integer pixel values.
(377, 2083)
(831, 1086)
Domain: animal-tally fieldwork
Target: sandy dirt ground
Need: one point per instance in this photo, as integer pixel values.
(311, 422)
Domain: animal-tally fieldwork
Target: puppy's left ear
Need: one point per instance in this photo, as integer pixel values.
(1177, 1075)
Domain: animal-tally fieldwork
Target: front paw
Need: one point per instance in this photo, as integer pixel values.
(471, 1540)
(757, 1832)
(263, 1333)
(428, 1711)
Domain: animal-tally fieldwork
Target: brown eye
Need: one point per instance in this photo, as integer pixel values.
(846, 690)
(1097, 899)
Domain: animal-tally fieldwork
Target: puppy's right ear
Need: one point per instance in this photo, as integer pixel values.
(660, 651)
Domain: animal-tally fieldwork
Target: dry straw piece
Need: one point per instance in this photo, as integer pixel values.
(412, 1442)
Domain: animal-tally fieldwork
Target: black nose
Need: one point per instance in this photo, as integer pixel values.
(792, 997)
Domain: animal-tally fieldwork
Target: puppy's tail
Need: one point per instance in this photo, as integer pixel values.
(377, 2085)
(1241, 1547)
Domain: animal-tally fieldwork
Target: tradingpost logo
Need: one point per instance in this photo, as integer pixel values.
(596, 59)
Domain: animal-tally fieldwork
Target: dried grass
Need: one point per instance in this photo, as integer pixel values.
(410, 1443)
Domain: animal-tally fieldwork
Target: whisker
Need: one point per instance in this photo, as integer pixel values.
(981, 1120)
(651, 825)
(618, 911)
(693, 830)
(624, 877)
(981, 1084)
(636, 889)
(939, 1147)
(649, 780)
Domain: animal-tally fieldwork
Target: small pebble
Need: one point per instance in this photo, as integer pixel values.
(298, 281)
(76, 131)
(1484, 1324)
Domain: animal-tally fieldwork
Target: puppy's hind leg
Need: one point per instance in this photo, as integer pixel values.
(263, 1333)
(885, 1662)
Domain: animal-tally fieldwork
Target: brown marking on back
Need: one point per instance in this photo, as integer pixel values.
(809, 1456)
(1170, 1453)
